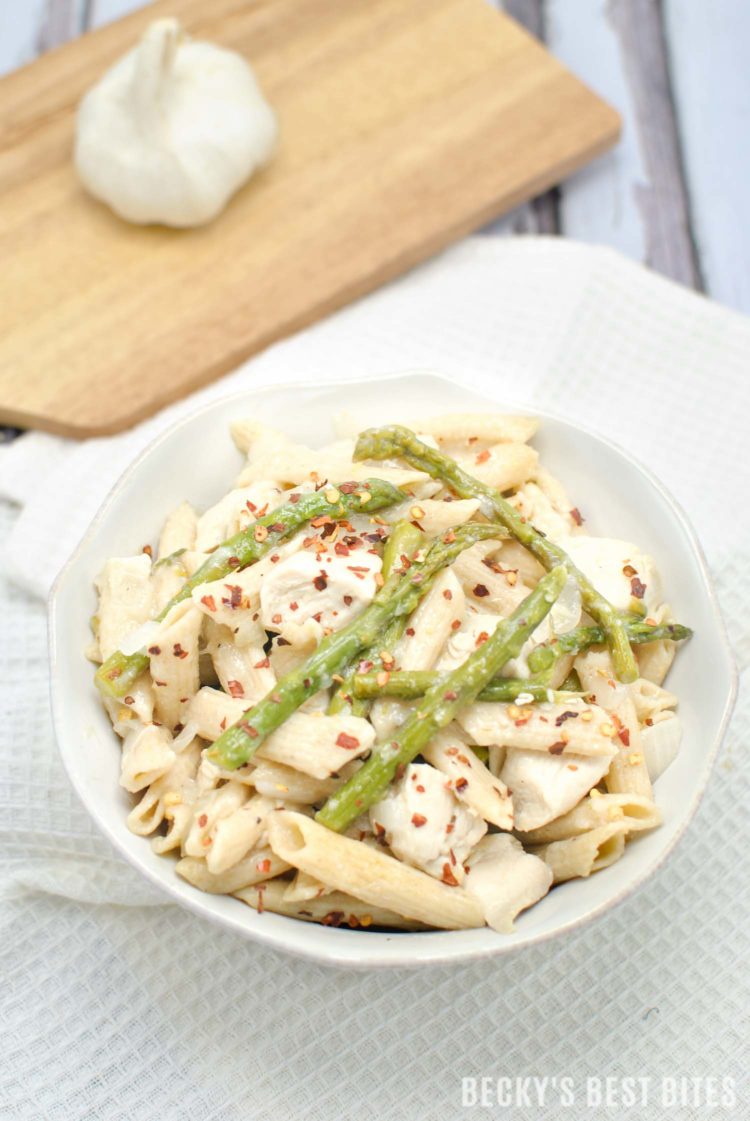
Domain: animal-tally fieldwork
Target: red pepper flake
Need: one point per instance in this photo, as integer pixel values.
(461, 783)
(248, 729)
(451, 824)
(450, 696)
(209, 602)
(278, 527)
(348, 488)
(481, 638)
(629, 571)
(472, 439)
(447, 594)
(178, 651)
(274, 558)
(557, 748)
(464, 759)
(483, 456)
(318, 616)
(637, 589)
(276, 698)
(481, 590)
(419, 787)
(418, 820)
(565, 716)
(351, 743)
(235, 595)
(203, 821)
(577, 516)
(263, 865)
(159, 682)
(236, 688)
(450, 537)
(294, 498)
(410, 631)
(148, 550)
(293, 606)
(451, 751)
(379, 831)
(282, 642)
(321, 582)
(260, 889)
(456, 625)
(234, 562)
(624, 735)
(251, 506)
(154, 650)
(223, 723)
(448, 877)
(128, 700)
(264, 663)
(400, 769)
(276, 619)
(340, 549)
(333, 918)
(348, 600)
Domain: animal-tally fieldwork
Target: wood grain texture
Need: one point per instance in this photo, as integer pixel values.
(662, 201)
(600, 204)
(405, 126)
(541, 214)
(709, 49)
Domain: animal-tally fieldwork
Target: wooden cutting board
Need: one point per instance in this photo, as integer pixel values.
(405, 124)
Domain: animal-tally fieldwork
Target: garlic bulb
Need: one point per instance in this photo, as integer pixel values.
(172, 130)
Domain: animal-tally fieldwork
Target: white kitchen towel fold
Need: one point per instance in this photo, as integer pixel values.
(120, 1006)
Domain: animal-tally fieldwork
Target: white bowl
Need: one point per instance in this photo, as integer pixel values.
(196, 460)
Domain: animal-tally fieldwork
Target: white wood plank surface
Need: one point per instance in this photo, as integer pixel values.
(600, 203)
(709, 47)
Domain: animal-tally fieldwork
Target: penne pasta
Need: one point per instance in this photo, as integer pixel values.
(628, 773)
(632, 812)
(584, 854)
(573, 728)
(431, 624)
(376, 879)
(307, 742)
(472, 428)
(471, 781)
(126, 600)
(257, 867)
(334, 909)
(174, 663)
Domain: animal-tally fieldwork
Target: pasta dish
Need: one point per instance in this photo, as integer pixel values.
(392, 682)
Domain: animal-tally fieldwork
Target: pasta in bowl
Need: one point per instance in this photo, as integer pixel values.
(264, 676)
(388, 684)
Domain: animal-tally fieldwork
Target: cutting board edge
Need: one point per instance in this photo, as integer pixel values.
(390, 271)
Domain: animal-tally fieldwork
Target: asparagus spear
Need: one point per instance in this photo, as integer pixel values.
(450, 693)
(403, 542)
(398, 597)
(117, 675)
(394, 440)
(409, 684)
(544, 657)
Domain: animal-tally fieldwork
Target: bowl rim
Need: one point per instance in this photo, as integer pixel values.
(383, 957)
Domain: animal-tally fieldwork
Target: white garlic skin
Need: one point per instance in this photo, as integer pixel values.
(172, 130)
